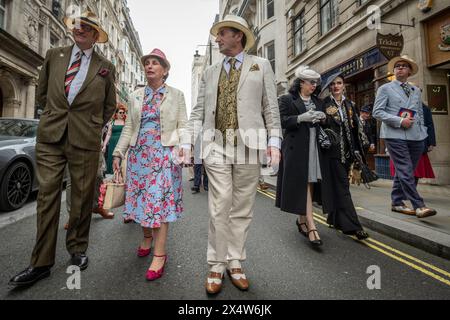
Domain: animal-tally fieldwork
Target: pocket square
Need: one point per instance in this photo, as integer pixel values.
(254, 67)
(103, 73)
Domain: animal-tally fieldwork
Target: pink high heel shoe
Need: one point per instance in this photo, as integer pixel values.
(153, 275)
(144, 252)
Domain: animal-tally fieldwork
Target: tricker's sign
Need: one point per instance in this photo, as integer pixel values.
(390, 45)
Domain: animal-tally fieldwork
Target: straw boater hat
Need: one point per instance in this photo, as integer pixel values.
(88, 18)
(405, 58)
(157, 54)
(233, 21)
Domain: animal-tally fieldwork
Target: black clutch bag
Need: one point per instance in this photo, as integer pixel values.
(326, 138)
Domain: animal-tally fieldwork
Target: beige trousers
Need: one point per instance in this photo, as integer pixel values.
(232, 191)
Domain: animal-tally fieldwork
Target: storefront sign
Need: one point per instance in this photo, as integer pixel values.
(437, 31)
(425, 5)
(390, 45)
(359, 63)
(437, 98)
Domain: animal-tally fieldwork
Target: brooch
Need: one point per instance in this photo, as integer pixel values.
(331, 111)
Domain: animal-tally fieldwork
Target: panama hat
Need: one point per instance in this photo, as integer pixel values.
(233, 21)
(411, 62)
(89, 18)
(157, 54)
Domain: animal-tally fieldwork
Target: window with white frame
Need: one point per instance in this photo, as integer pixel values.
(270, 8)
(299, 33)
(2, 14)
(270, 54)
(328, 15)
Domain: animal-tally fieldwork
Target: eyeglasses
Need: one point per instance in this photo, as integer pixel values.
(84, 27)
(402, 66)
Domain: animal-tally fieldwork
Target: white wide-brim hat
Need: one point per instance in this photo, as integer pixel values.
(405, 58)
(233, 21)
(89, 18)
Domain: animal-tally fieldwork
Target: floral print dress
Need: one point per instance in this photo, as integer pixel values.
(154, 183)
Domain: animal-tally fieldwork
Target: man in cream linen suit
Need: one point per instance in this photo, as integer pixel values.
(237, 102)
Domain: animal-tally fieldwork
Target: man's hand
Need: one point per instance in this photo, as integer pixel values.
(430, 148)
(407, 122)
(274, 155)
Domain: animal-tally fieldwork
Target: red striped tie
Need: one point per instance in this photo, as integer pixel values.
(72, 72)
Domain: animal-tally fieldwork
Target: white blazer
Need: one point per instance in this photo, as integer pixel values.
(173, 119)
(257, 104)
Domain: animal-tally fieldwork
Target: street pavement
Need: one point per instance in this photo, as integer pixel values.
(281, 264)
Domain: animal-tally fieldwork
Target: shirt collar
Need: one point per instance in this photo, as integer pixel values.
(399, 82)
(342, 102)
(239, 58)
(149, 91)
(88, 53)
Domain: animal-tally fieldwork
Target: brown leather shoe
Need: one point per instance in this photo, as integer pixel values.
(404, 209)
(214, 282)
(425, 212)
(105, 214)
(238, 278)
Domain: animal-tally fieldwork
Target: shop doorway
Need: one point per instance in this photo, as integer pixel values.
(361, 90)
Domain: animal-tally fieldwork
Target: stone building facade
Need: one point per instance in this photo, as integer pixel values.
(29, 28)
(358, 37)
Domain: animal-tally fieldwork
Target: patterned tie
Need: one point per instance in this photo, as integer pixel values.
(72, 72)
(406, 88)
(232, 63)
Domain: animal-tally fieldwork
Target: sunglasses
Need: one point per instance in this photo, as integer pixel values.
(313, 82)
(84, 27)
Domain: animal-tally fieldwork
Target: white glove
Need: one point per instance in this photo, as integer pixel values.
(308, 116)
(319, 115)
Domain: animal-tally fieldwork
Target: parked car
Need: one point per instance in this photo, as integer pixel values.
(17, 162)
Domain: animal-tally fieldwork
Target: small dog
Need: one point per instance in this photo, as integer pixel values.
(355, 175)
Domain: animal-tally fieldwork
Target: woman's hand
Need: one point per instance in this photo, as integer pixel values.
(116, 164)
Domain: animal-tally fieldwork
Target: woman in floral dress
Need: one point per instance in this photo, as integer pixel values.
(154, 129)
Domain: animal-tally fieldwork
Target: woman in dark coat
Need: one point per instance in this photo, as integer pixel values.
(349, 137)
(301, 169)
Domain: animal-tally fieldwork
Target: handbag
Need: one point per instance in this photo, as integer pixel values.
(114, 193)
(326, 138)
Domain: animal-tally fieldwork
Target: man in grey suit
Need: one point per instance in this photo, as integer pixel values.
(398, 106)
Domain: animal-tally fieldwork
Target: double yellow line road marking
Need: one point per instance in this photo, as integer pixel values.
(413, 262)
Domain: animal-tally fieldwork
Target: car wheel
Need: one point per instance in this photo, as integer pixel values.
(16, 187)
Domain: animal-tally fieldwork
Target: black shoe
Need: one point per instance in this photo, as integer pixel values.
(361, 235)
(80, 259)
(299, 226)
(29, 276)
(316, 242)
(195, 190)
